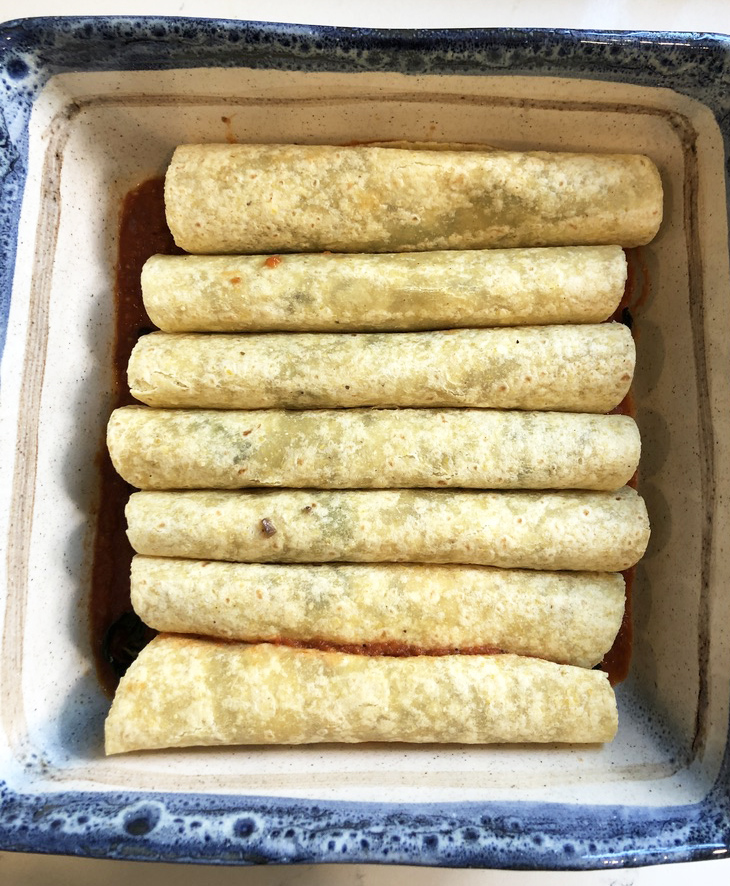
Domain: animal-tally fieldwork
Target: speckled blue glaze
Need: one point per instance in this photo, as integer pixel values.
(255, 830)
(215, 829)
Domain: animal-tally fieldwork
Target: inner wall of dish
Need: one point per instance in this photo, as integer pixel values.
(111, 140)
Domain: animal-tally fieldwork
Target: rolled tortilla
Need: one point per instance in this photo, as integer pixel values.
(379, 448)
(571, 368)
(309, 198)
(566, 617)
(590, 531)
(184, 691)
(409, 291)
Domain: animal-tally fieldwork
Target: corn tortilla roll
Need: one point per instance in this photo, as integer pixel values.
(568, 368)
(589, 531)
(407, 291)
(378, 448)
(184, 691)
(309, 198)
(567, 617)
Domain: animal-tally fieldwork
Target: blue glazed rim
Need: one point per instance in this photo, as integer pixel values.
(218, 829)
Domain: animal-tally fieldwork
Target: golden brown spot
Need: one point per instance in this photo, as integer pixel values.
(273, 261)
(235, 280)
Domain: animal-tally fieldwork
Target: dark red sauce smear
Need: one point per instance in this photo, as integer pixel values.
(392, 648)
(617, 660)
(117, 633)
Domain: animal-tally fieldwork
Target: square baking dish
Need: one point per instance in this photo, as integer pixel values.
(91, 107)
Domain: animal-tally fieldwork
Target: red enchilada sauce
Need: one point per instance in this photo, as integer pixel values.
(618, 659)
(117, 633)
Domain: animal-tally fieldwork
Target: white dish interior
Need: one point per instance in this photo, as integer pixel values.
(93, 137)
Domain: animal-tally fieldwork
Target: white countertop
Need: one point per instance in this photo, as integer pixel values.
(669, 15)
(665, 15)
